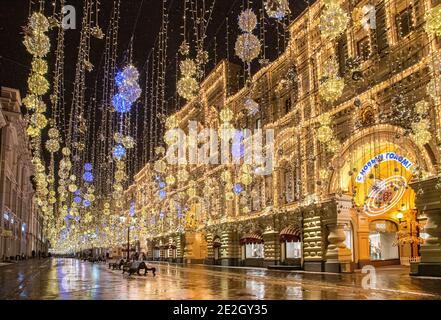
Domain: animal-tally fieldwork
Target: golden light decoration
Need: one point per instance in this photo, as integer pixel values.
(37, 44)
(229, 196)
(65, 151)
(324, 134)
(128, 142)
(72, 188)
(171, 122)
(183, 175)
(38, 84)
(331, 89)
(171, 137)
(247, 47)
(160, 166)
(333, 20)
(119, 176)
(191, 192)
(434, 88)
(246, 179)
(324, 174)
(433, 21)
(170, 180)
(226, 115)
(53, 133)
(32, 131)
(421, 107)
(38, 22)
(277, 9)
(226, 176)
(187, 88)
(247, 21)
(52, 145)
(188, 68)
(39, 120)
(39, 66)
(422, 135)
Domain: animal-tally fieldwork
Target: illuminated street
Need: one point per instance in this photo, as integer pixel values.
(242, 150)
(72, 279)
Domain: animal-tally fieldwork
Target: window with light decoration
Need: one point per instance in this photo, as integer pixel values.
(364, 48)
(404, 22)
(288, 105)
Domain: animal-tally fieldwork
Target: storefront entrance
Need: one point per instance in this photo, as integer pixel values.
(217, 243)
(252, 250)
(291, 246)
(383, 242)
(376, 170)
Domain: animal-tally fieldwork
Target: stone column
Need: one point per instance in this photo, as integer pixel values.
(210, 250)
(313, 242)
(428, 202)
(180, 243)
(230, 249)
(271, 240)
(337, 216)
(362, 235)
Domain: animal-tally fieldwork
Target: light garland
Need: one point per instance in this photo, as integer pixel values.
(188, 86)
(331, 86)
(421, 129)
(247, 46)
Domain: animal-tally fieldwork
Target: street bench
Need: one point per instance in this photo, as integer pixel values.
(136, 266)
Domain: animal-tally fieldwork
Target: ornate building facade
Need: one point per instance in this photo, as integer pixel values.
(21, 226)
(355, 179)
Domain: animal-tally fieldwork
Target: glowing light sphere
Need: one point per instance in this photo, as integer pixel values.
(433, 21)
(37, 44)
(247, 47)
(52, 145)
(38, 84)
(162, 194)
(188, 68)
(277, 9)
(120, 104)
(170, 180)
(238, 188)
(187, 88)
(333, 20)
(162, 185)
(88, 177)
(226, 115)
(119, 152)
(78, 200)
(39, 66)
(86, 203)
(128, 89)
(247, 21)
(332, 89)
(324, 134)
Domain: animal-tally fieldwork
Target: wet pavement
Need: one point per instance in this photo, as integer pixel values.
(70, 279)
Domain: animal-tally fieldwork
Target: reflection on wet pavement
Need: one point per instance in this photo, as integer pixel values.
(68, 279)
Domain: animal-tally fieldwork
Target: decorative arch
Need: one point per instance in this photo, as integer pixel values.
(388, 134)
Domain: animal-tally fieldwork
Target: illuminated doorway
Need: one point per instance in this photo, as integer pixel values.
(377, 174)
(382, 241)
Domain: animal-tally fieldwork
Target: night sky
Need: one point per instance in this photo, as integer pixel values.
(15, 61)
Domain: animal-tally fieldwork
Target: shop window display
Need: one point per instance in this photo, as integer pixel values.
(293, 250)
(254, 251)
